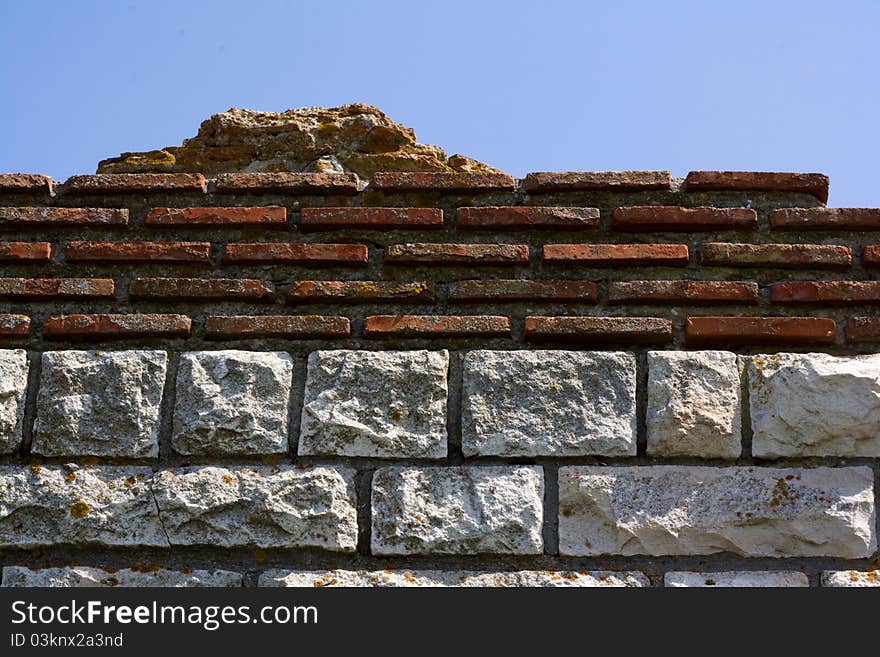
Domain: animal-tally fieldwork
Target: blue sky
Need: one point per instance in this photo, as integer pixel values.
(525, 86)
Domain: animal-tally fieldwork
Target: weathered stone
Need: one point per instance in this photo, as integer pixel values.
(549, 403)
(353, 138)
(815, 405)
(458, 510)
(72, 505)
(755, 512)
(232, 402)
(439, 578)
(100, 403)
(13, 385)
(693, 404)
(259, 506)
(839, 578)
(741, 579)
(86, 576)
(389, 404)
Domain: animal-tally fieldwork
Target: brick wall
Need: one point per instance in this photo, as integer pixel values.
(447, 379)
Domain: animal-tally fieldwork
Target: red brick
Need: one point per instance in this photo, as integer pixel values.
(64, 216)
(801, 256)
(628, 330)
(863, 329)
(14, 326)
(758, 181)
(683, 292)
(268, 217)
(825, 219)
(25, 182)
(359, 292)
(622, 181)
(25, 251)
(199, 289)
(826, 292)
(457, 254)
(57, 288)
(444, 182)
(426, 326)
(522, 290)
(618, 255)
(666, 218)
(119, 183)
(370, 218)
(527, 216)
(760, 330)
(288, 183)
(138, 251)
(101, 327)
(871, 255)
(219, 327)
(296, 253)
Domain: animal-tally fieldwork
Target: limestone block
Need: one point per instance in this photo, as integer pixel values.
(549, 403)
(384, 404)
(458, 510)
(750, 511)
(100, 403)
(232, 402)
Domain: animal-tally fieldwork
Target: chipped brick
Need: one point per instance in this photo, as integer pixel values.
(276, 326)
(295, 253)
(110, 326)
(760, 330)
(197, 289)
(758, 181)
(683, 292)
(618, 255)
(370, 218)
(412, 326)
(288, 183)
(57, 288)
(595, 181)
(181, 252)
(527, 216)
(522, 290)
(359, 292)
(591, 330)
(457, 254)
(659, 218)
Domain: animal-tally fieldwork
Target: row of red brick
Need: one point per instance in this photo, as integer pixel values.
(621, 330)
(684, 292)
(321, 183)
(720, 254)
(645, 218)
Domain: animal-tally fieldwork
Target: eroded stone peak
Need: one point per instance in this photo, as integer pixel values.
(355, 138)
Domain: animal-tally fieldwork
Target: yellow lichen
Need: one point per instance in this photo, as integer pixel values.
(79, 509)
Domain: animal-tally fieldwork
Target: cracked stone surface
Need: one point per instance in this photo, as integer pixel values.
(815, 405)
(742, 579)
(106, 505)
(13, 385)
(385, 404)
(85, 576)
(458, 510)
(232, 402)
(549, 403)
(354, 138)
(100, 403)
(693, 404)
(840, 578)
(261, 506)
(750, 511)
(438, 578)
